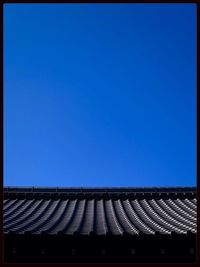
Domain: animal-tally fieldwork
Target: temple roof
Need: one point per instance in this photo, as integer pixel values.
(100, 211)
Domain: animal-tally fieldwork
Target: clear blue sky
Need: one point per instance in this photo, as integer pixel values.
(100, 95)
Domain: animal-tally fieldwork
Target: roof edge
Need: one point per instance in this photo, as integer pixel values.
(27, 189)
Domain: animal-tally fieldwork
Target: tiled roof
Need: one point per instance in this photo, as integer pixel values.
(100, 211)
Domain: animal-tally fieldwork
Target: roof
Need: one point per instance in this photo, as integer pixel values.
(100, 211)
(100, 189)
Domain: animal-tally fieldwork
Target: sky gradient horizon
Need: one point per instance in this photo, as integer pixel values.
(100, 95)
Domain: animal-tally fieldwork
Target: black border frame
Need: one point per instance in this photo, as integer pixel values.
(198, 113)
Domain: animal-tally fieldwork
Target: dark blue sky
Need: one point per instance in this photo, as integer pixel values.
(100, 95)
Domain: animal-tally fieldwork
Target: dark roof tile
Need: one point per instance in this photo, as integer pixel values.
(103, 211)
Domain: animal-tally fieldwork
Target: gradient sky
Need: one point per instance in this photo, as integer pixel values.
(100, 95)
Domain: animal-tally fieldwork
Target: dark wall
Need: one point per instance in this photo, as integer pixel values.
(60, 248)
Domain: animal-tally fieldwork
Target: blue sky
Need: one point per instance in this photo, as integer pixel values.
(99, 95)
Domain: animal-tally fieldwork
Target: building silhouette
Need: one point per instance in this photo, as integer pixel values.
(100, 224)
